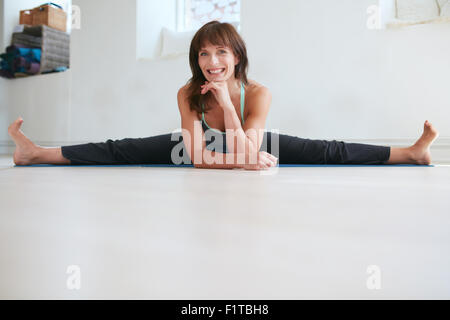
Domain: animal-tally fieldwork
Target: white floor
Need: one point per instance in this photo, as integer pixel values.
(184, 233)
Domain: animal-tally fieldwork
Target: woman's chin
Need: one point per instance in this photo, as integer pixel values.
(218, 78)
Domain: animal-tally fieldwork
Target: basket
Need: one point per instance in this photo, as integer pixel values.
(55, 46)
(49, 14)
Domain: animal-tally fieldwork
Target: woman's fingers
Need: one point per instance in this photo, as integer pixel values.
(266, 162)
(206, 87)
(262, 166)
(273, 160)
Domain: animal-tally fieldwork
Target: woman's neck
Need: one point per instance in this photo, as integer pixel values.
(234, 87)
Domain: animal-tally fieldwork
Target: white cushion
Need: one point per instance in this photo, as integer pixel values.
(445, 9)
(442, 3)
(417, 10)
(175, 43)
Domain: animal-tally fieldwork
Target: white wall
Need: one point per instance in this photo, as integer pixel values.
(330, 76)
(151, 16)
(2, 28)
(3, 115)
(3, 89)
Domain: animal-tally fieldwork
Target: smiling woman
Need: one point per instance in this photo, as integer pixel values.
(215, 46)
(237, 108)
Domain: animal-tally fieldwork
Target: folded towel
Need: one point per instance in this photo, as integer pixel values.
(5, 66)
(31, 54)
(33, 68)
(24, 66)
(20, 60)
(6, 74)
(36, 55)
(15, 50)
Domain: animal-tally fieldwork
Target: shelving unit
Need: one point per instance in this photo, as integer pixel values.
(54, 45)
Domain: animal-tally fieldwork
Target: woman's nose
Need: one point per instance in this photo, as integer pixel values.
(214, 59)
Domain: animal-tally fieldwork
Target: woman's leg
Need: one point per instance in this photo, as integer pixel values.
(152, 150)
(158, 150)
(294, 150)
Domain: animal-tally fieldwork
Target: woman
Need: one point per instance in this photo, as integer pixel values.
(236, 108)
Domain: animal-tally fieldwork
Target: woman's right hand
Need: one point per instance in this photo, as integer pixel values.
(264, 162)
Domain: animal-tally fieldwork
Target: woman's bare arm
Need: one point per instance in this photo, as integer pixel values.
(195, 143)
(248, 138)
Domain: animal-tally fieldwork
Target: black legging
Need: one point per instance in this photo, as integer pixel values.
(158, 150)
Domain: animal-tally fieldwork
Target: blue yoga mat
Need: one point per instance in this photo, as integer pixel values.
(191, 166)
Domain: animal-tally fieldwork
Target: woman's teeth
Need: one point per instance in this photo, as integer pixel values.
(216, 71)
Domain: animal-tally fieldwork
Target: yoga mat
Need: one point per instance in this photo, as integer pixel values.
(191, 166)
(33, 68)
(19, 62)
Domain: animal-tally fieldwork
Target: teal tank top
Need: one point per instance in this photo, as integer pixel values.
(217, 137)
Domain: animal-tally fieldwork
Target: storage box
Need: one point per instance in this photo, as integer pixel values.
(55, 45)
(47, 14)
(26, 17)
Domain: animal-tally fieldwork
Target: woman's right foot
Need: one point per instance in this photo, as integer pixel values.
(420, 151)
(26, 151)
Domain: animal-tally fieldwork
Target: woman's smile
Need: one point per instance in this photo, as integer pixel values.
(216, 72)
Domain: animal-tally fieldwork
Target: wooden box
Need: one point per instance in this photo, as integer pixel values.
(48, 15)
(26, 17)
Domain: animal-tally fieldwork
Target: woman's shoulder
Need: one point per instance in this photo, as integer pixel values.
(182, 97)
(254, 89)
(183, 90)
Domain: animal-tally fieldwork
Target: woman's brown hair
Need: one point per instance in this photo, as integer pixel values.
(215, 33)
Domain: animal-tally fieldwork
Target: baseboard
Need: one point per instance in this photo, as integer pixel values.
(440, 149)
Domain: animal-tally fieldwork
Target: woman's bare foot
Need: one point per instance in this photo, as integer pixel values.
(420, 151)
(26, 151)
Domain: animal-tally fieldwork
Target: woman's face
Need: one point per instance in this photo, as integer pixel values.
(217, 62)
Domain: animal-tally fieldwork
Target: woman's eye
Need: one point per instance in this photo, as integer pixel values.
(221, 51)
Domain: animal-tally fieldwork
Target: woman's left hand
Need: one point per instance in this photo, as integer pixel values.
(220, 92)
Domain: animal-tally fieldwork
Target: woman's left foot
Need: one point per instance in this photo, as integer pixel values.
(420, 151)
(26, 151)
